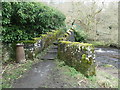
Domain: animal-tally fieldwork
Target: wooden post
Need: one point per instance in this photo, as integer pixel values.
(20, 54)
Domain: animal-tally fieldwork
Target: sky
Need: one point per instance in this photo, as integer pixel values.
(62, 1)
(80, 0)
(99, 2)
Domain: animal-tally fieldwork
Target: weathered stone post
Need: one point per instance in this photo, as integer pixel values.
(20, 54)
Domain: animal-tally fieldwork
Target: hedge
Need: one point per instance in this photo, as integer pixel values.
(25, 20)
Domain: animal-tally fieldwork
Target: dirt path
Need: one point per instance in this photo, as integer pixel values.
(39, 73)
(36, 76)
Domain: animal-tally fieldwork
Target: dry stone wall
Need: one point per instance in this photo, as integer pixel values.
(81, 56)
(38, 44)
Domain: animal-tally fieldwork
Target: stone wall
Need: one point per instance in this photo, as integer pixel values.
(68, 36)
(40, 43)
(31, 47)
(81, 56)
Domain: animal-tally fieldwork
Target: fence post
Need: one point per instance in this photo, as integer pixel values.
(20, 54)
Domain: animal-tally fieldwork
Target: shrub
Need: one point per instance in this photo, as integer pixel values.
(26, 20)
(80, 35)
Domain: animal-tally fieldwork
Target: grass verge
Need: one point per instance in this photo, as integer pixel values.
(101, 80)
(99, 43)
(104, 44)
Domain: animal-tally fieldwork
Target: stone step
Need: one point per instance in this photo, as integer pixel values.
(55, 43)
(54, 47)
(49, 56)
(52, 51)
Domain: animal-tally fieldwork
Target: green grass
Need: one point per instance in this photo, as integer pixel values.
(71, 71)
(108, 65)
(99, 43)
(103, 43)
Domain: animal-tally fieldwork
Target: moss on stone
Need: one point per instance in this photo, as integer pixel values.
(84, 57)
(37, 38)
(75, 54)
(61, 38)
(76, 43)
(27, 41)
(43, 36)
(66, 35)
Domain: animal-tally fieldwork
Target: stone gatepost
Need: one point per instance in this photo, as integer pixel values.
(20, 53)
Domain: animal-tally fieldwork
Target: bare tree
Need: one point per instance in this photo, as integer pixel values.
(86, 15)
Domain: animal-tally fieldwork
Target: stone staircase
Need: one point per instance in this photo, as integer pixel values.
(51, 53)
